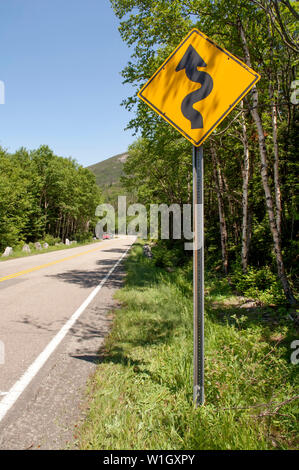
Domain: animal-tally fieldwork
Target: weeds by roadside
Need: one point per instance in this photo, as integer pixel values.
(141, 394)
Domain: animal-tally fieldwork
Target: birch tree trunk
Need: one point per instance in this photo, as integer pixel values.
(245, 174)
(265, 178)
(222, 219)
(273, 104)
(231, 206)
(276, 162)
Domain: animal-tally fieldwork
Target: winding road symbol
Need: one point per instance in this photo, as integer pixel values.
(197, 86)
(190, 62)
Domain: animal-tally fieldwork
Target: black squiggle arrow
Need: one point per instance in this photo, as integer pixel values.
(190, 61)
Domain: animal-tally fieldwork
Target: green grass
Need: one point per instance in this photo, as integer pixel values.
(22, 254)
(141, 394)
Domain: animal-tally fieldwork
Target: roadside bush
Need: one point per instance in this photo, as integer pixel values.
(261, 284)
(169, 253)
(18, 246)
(82, 237)
(50, 240)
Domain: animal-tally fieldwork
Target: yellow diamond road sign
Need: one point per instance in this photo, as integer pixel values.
(197, 86)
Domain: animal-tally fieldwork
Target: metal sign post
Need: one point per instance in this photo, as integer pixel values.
(198, 278)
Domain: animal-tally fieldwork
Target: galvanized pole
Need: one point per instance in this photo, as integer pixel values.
(198, 278)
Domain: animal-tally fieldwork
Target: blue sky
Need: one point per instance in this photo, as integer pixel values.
(60, 61)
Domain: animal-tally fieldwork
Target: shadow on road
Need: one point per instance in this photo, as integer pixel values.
(87, 279)
(92, 358)
(113, 250)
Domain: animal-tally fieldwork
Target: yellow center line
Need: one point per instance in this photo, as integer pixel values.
(41, 266)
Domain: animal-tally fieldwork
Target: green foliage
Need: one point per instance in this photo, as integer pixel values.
(51, 240)
(158, 170)
(83, 236)
(44, 197)
(168, 253)
(259, 283)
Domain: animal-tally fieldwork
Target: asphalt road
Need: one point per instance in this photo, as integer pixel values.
(54, 315)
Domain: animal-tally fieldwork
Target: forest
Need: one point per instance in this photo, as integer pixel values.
(250, 160)
(45, 197)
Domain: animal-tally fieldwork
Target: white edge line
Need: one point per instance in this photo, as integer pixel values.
(18, 388)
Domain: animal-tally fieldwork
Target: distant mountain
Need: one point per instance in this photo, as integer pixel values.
(108, 173)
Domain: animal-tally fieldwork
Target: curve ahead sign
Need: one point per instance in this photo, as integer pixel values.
(197, 86)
